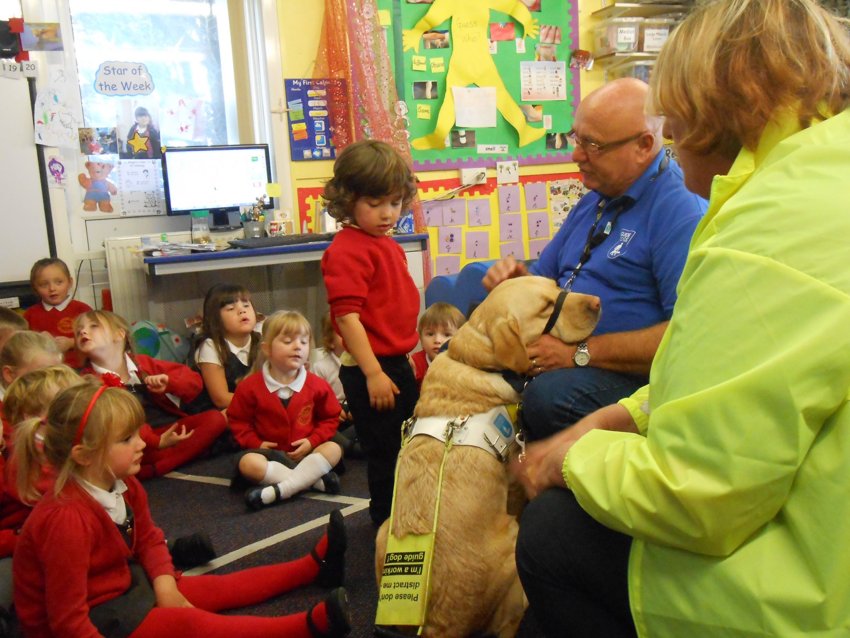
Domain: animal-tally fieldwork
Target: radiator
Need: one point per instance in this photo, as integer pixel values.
(127, 274)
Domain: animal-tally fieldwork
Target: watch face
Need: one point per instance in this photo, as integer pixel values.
(581, 358)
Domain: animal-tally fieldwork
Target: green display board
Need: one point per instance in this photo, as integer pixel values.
(502, 85)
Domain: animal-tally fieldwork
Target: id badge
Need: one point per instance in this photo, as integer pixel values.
(403, 592)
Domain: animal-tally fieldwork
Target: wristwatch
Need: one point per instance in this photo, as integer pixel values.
(582, 355)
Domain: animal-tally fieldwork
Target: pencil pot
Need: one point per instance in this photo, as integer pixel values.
(252, 229)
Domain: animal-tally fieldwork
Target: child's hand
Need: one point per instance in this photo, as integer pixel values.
(382, 391)
(302, 449)
(156, 382)
(267, 445)
(344, 416)
(64, 343)
(172, 437)
(167, 594)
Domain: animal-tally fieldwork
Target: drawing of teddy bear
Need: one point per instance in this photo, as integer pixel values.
(98, 187)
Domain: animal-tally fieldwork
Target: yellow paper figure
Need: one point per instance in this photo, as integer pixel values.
(471, 62)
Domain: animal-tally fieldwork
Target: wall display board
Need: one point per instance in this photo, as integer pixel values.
(484, 80)
(310, 123)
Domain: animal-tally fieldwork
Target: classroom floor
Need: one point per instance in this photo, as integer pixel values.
(197, 498)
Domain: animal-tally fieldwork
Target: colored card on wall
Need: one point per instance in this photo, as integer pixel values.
(513, 249)
(438, 65)
(509, 199)
(448, 240)
(538, 225)
(477, 245)
(535, 196)
(433, 213)
(447, 265)
(510, 228)
(536, 247)
(479, 212)
(454, 212)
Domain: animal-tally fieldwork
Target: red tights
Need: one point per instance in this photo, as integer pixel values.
(207, 426)
(210, 594)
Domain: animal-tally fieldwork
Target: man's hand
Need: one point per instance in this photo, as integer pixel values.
(506, 268)
(548, 353)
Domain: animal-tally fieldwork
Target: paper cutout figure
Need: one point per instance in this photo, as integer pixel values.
(471, 62)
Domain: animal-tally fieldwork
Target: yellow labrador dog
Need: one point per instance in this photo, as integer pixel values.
(474, 585)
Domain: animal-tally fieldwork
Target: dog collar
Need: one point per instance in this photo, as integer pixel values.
(493, 431)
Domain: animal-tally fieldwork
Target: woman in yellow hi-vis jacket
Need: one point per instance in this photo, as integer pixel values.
(719, 495)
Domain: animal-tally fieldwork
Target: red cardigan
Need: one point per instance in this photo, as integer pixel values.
(71, 556)
(256, 415)
(183, 382)
(59, 323)
(420, 366)
(369, 276)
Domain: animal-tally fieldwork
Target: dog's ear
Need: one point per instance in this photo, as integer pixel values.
(472, 347)
(508, 349)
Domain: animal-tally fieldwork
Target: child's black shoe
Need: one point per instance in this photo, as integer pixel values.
(332, 566)
(192, 551)
(338, 614)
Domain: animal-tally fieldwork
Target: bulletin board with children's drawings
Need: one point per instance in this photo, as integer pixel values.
(484, 80)
(487, 221)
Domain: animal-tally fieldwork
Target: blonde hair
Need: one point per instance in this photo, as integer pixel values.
(328, 333)
(30, 394)
(11, 320)
(24, 346)
(115, 323)
(283, 322)
(115, 415)
(732, 64)
(367, 168)
(441, 314)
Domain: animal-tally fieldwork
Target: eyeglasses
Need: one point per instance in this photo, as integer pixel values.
(595, 148)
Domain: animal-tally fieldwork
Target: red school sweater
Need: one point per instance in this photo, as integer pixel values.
(59, 323)
(71, 556)
(368, 275)
(256, 415)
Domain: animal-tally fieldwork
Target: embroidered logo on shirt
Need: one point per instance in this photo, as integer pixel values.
(305, 416)
(622, 244)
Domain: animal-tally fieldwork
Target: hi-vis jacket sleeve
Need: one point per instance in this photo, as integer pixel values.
(735, 405)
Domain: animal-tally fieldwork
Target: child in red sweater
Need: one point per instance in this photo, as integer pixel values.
(437, 325)
(51, 280)
(173, 436)
(374, 304)
(286, 416)
(90, 557)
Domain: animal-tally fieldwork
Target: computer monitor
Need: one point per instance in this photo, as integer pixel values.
(220, 179)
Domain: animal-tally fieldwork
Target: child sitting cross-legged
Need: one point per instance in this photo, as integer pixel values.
(173, 436)
(285, 417)
(90, 561)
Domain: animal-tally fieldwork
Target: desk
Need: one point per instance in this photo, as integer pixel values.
(294, 253)
(171, 289)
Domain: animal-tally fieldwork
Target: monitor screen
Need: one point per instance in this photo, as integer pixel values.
(219, 179)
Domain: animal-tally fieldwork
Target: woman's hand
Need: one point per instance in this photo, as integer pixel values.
(382, 391)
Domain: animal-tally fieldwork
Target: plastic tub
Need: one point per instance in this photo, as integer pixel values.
(639, 69)
(654, 33)
(617, 35)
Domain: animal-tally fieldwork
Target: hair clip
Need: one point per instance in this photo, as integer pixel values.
(82, 426)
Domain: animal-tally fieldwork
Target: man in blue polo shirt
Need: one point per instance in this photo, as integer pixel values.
(625, 241)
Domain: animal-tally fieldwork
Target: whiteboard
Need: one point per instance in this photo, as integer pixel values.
(23, 227)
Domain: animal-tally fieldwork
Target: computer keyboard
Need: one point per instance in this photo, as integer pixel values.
(280, 240)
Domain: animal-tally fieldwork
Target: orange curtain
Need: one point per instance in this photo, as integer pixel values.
(352, 47)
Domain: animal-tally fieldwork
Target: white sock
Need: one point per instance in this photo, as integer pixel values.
(275, 473)
(305, 474)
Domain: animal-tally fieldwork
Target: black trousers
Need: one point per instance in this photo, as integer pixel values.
(574, 570)
(380, 432)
